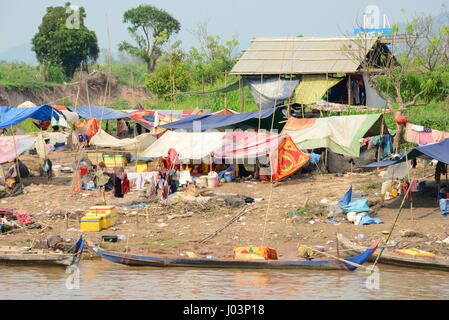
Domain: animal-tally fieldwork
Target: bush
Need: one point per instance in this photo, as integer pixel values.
(159, 82)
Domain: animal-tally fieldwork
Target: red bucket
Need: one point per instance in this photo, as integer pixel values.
(83, 170)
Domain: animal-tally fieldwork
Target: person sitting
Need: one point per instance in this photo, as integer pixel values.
(443, 201)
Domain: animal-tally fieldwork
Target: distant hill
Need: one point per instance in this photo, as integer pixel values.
(21, 53)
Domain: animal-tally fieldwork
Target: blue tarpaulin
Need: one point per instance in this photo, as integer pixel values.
(368, 220)
(10, 116)
(356, 206)
(438, 151)
(346, 199)
(97, 112)
(208, 122)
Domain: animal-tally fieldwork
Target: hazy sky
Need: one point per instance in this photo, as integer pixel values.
(19, 19)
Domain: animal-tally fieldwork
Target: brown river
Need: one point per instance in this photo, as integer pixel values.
(102, 280)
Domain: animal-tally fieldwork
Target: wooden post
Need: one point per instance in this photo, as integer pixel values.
(171, 94)
(226, 94)
(349, 90)
(202, 80)
(147, 211)
(338, 249)
(242, 100)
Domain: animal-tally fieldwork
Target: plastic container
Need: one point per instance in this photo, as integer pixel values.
(386, 187)
(211, 182)
(90, 222)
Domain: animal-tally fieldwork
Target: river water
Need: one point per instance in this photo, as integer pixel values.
(100, 280)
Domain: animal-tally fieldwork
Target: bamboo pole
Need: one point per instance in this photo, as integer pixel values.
(202, 96)
(391, 230)
(242, 106)
(17, 157)
(226, 94)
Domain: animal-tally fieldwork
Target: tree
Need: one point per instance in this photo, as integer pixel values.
(213, 57)
(171, 66)
(416, 73)
(63, 40)
(150, 28)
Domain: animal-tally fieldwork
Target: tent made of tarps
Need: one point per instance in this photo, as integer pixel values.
(438, 151)
(97, 112)
(105, 140)
(10, 146)
(246, 120)
(10, 116)
(284, 156)
(341, 134)
(188, 145)
(153, 118)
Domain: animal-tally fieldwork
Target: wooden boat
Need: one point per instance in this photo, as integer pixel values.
(15, 256)
(395, 259)
(135, 260)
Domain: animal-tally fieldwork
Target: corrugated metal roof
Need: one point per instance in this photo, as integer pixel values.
(303, 55)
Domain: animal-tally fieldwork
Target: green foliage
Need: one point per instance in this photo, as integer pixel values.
(19, 76)
(57, 45)
(128, 74)
(119, 103)
(55, 73)
(212, 59)
(159, 82)
(150, 28)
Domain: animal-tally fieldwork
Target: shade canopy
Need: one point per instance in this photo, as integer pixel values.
(10, 116)
(97, 112)
(242, 120)
(341, 134)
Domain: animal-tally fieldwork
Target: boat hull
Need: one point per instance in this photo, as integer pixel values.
(36, 258)
(135, 260)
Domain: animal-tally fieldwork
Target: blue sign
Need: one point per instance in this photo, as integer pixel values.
(386, 32)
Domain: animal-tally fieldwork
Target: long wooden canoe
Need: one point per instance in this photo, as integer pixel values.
(135, 260)
(395, 259)
(45, 257)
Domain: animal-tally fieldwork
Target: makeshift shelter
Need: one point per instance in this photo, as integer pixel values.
(246, 120)
(10, 116)
(284, 157)
(438, 151)
(153, 118)
(340, 134)
(330, 65)
(188, 145)
(97, 112)
(105, 140)
(11, 147)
